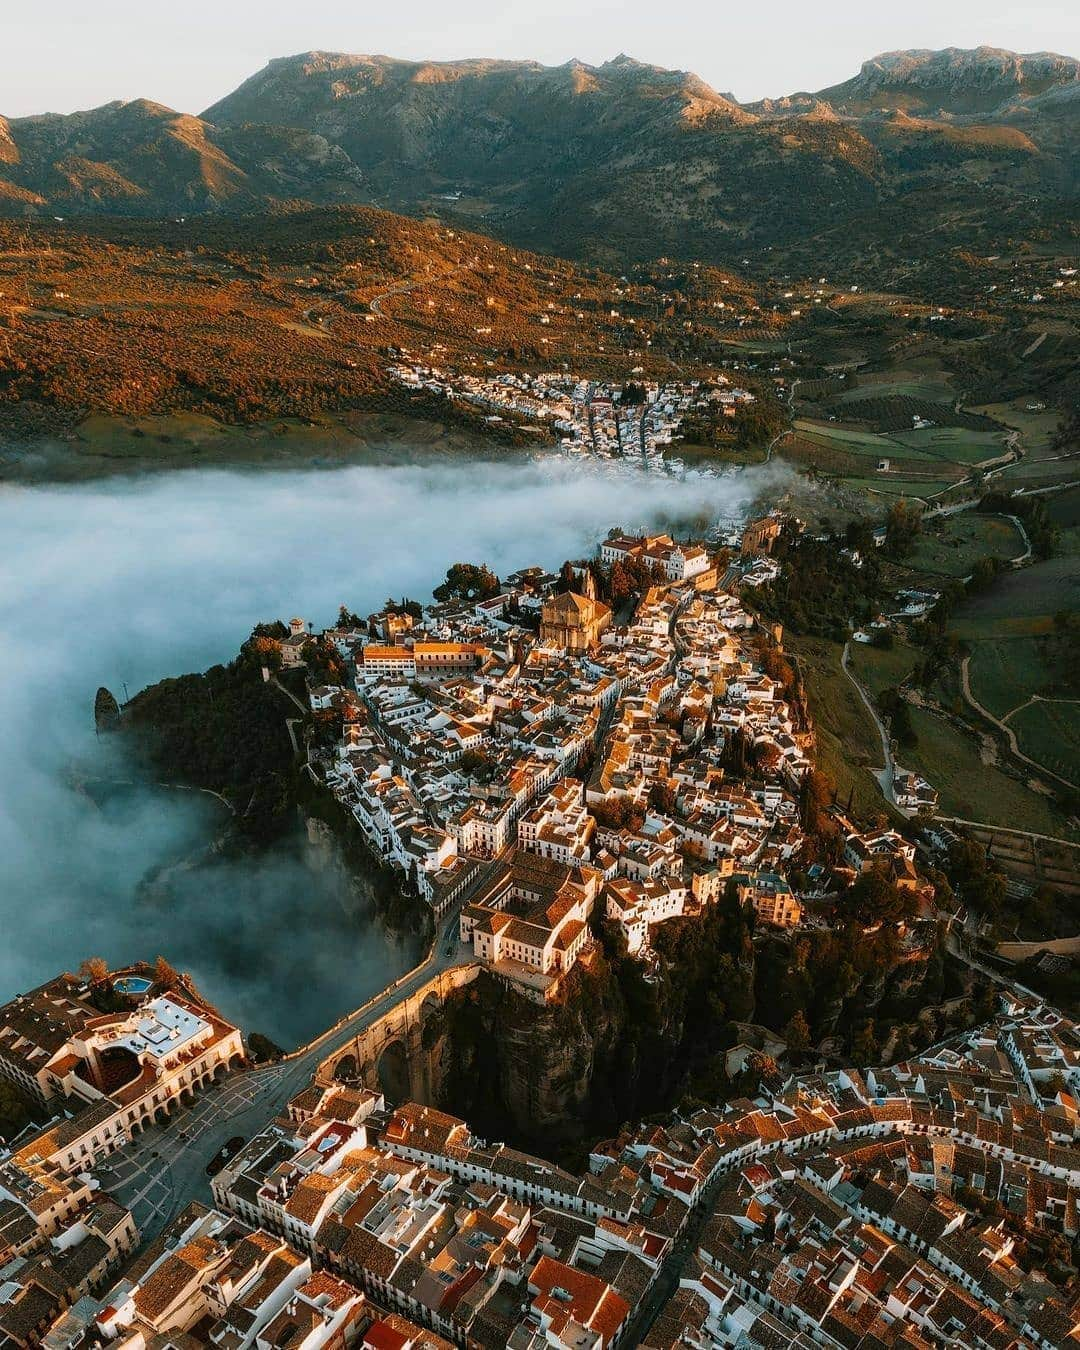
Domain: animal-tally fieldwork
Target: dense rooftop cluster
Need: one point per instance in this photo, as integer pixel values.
(601, 742)
(537, 753)
(115, 1054)
(912, 1206)
(921, 1205)
(635, 422)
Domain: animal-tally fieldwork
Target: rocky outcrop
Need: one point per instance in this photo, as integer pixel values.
(953, 82)
(618, 1047)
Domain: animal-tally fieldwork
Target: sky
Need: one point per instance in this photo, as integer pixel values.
(71, 54)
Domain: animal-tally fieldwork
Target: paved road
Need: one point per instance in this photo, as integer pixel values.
(165, 1167)
(887, 775)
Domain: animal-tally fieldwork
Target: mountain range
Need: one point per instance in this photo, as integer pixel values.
(919, 151)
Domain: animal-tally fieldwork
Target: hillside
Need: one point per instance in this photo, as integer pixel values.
(140, 158)
(296, 312)
(618, 162)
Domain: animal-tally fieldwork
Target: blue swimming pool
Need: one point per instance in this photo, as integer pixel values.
(132, 984)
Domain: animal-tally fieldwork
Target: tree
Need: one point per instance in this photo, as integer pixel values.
(979, 886)
(902, 525)
(165, 975)
(874, 899)
(268, 651)
(760, 1071)
(983, 572)
(895, 707)
(467, 581)
(16, 1110)
(797, 1033)
(567, 578)
(94, 969)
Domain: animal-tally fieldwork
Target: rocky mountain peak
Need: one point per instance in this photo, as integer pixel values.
(954, 81)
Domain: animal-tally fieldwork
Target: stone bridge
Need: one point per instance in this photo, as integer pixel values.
(392, 1055)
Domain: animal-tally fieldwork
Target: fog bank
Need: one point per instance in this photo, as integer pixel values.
(127, 581)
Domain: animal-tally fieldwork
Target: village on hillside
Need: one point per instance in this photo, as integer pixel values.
(635, 421)
(546, 753)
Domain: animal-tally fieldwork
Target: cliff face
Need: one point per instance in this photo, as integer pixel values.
(538, 1075)
(621, 1047)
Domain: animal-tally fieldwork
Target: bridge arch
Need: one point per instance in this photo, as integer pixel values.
(392, 1070)
(345, 1067)
(430, 1025)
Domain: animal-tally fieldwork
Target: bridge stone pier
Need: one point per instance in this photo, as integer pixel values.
(393, 1055)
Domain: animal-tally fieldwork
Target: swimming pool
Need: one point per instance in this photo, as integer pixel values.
(132, 984)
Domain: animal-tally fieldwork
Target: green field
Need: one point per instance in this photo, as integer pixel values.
(954, 445)
(1006, 672)
(829, 432)
(1063, 508)
(972, 789)
(950, 545)
(1021, 603)
(848, 745)
(922, 463)
(1036, 428)
(905, 384)
(879, 668)
(893, 486)
(1013, 656)
(1050, 734)
(1039, 472)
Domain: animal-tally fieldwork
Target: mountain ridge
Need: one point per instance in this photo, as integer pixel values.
(621, 160)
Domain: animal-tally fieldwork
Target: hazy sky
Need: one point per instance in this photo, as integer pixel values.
(68, 54)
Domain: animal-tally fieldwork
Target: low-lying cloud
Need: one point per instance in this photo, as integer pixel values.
(127, 581)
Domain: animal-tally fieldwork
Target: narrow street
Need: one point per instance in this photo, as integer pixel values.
(671, 1271)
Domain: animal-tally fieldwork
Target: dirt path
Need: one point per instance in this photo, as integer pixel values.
(1034, 346)
(1035, 698)
(1007, 732)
